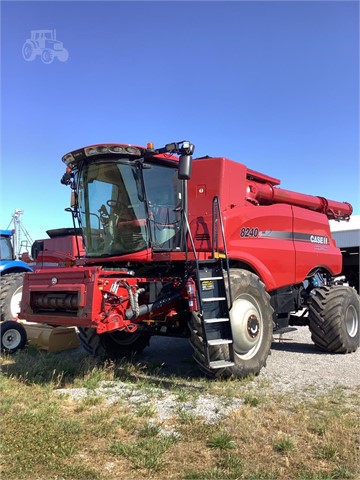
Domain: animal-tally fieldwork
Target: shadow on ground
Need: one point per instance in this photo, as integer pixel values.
(165, 357)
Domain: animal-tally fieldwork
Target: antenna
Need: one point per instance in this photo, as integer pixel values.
(21, 237)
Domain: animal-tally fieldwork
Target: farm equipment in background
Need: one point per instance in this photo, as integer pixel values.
(44, 44)
(207, 249)
(11, 277)
(13, 335)
(60, 249)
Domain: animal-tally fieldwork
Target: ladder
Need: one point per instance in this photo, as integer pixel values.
(214, 300)
(214, 313)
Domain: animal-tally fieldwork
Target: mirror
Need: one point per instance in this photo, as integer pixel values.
(185, 162)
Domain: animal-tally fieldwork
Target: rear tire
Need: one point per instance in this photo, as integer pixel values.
(47, 56)
(112, 345)
(13, 336)
(251, 323)
(334, 319)
(28, 51)
(11, 285)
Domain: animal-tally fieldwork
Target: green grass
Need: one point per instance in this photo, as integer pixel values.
(46, 435)
(145, 453)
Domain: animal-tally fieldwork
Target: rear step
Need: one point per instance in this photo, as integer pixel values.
(216, 364)
(220, 341)
(215, 320)
(221, 364)
(213, 299)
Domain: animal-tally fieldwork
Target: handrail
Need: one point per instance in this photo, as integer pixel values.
(198, 286)
(216, 214)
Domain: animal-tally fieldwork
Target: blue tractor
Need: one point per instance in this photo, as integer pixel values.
(13, 334)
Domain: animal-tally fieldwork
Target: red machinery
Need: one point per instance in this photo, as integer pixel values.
(61, 249)
(209, 244)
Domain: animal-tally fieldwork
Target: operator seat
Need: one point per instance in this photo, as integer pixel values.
(129, 233)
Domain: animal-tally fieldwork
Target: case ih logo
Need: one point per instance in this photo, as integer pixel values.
(319, 239)
(43, 43)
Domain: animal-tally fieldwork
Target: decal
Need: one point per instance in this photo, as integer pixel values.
(319, 239)
(279, 235)
(207, 285)
(276, 234)
(246, 232)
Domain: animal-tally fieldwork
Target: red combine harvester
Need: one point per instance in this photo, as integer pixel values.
(207, 249)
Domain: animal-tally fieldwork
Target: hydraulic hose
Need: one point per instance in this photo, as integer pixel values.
(130, 314)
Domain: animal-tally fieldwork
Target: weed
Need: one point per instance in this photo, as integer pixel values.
(183, 396)
(145, 454)
(327, 452)
(119, 448)
(92, 400)
(231, 463)
(94, 375)
(319, 428)
(340, 472)
(221, 440)
(284, 445)
(99, 424)
(93, 379)
(146, 410)
(251, 400)
(79, 472)
(186, 417)
(149, 430)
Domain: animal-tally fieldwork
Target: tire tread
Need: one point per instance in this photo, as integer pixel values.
(326, 317)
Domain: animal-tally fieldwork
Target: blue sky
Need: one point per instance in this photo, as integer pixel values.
(273, 85)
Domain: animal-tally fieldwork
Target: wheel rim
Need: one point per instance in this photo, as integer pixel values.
(247, 326)
(351, 321)
(11, 339)
(15, 303)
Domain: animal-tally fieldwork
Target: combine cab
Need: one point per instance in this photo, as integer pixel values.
(208, 249)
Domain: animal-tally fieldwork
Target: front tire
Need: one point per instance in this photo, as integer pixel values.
(11, 285)
(251, 324)
(63, 55)
(112, 345)
(13, 336)
(334, 319)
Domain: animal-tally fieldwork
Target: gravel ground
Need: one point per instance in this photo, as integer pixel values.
(294, 362)
(295, 366)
